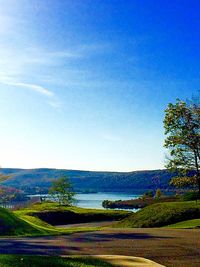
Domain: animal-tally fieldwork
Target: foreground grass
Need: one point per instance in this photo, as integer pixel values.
(162, 214)
(195, 223)
(44, 261)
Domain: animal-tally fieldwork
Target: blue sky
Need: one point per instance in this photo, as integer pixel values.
(84, 84)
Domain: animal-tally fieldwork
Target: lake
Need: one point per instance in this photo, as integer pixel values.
(94, 200)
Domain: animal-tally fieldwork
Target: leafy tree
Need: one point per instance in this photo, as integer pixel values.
(182, 127)
(148, 193)
(158, 193)
(8, 194)
(61, 190)
(4, 196)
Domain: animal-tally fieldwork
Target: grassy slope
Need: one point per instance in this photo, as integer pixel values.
(40, 227)
(13, 225)
(162, 214)
(50, 212)
(48, 229)
(23, 222)
(195, 223)
(42, 261)
(10, 224)
(52, 206)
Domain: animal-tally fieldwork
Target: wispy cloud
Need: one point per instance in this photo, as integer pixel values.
(38, 69)
(53, 100)
(33, 87)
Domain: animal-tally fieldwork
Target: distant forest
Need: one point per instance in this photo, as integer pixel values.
(39, 180)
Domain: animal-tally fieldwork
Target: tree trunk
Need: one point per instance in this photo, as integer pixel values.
(197, 170)
(198, 182)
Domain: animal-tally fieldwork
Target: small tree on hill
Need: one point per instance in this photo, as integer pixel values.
(182, 127)
(158, 193)
(148, 193)
(62, 191)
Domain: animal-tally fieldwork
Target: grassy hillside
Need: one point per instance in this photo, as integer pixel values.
(10, 224)
(30, 221)
(44, 261)
(40, 179)
(54, 214)
(195, 223)
(162, 214)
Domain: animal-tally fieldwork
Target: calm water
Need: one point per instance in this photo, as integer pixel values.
(94, 200)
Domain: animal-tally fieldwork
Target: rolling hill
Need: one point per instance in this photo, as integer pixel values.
(39, 180)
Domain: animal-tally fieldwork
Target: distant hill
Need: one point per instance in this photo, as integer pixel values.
(39, 180)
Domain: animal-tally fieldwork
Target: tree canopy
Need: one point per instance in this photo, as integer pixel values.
(182, 127)
(61, 190)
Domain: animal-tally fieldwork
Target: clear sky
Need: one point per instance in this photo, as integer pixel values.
(84, 83)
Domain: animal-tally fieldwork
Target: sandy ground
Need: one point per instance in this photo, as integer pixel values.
(169, 247)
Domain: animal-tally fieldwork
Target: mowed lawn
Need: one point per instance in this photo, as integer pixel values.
(45, 261)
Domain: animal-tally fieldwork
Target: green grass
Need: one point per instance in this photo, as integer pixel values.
(27, 222)
(54, 214)
(10, 224)
(162, 214)
(53, 206)
(44, 261)
(48, 229)
(195, 223)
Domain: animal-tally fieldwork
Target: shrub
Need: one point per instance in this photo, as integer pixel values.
(191, 196)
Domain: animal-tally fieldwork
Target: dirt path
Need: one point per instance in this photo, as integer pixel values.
(170, 247)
